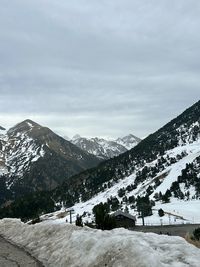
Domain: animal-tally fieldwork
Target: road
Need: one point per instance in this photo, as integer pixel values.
(174, 230)
(13, 256)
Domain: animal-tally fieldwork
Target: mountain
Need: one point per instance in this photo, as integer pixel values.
(105, 149)
(128, 141)
(163, 167)
(33, 157)
(2, 128)
(2, 131)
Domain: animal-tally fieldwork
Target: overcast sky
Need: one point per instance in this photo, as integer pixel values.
(98, 68)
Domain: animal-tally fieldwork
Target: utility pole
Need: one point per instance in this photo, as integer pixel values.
(70, 215)
(169, 219)
(142, 212)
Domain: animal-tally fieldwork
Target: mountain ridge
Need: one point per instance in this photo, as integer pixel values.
(2, 128)
(105, 148)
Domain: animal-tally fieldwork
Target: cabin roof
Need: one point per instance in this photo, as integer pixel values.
(125, 214)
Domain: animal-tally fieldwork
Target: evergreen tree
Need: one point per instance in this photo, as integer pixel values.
(196, 234)
(161, 212)
(126, 209)
(102, 219)
(79, 221)
(166, 196)
(144, 206)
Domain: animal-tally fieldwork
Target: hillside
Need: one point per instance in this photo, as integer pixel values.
(34, 158)
(148, 159)
(160, 168)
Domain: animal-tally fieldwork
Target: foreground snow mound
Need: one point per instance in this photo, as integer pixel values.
(67, 245)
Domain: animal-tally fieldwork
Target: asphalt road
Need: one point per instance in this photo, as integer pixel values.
(174, 230)
(13, 256)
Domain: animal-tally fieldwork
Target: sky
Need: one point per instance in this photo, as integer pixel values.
(98, 68)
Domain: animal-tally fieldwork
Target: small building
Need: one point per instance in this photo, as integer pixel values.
(124, 219)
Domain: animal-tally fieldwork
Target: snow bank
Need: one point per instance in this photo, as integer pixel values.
(67, 245)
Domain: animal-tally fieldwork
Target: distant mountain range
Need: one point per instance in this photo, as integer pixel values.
(34, 158)
(103, 148)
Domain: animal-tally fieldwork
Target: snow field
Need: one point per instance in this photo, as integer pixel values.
(64, 245)
(189, 210)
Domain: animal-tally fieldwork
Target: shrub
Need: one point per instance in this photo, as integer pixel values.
(161, 212)
(196, 234)
(79, 221)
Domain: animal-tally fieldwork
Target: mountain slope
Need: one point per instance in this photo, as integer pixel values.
(179, 132)
(2, 128)
(105, 149)
(128, 141)
(33, 158)
(157, 168)
(150, 160)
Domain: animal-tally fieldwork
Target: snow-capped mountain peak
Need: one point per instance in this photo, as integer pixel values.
(2, 132)
(76, 136)
(2, 128)
(128, 141)
(19, 149)
(106, 148)
(33, 157)
(24, 126)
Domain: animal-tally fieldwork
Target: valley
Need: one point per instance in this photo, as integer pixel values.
(99, 133)
(161, 170)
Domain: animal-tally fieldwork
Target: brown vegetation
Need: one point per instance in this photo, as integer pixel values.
(190, 239)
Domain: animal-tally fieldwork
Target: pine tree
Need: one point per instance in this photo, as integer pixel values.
(79, 221)
(161, 212)
(102, 219)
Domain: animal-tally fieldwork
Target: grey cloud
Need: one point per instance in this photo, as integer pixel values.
(98, 67)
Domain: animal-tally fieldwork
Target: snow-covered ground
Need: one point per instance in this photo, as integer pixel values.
(188, 210)
(176, 212)
(64, 245)
(193, 151)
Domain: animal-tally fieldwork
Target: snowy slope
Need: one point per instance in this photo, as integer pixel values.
(187, 208)
(64, 245)
(164, 167)
(3, 140)
(18, 151)
(32, 157)
(128, 141)
(104, 148)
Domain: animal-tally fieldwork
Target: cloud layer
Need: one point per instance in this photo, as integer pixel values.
(102, 68)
